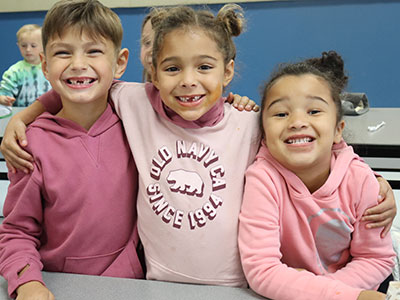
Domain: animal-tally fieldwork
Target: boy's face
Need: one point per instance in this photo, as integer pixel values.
(81, 68)
(30, 46)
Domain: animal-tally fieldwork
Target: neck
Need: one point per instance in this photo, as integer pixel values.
(83, 114)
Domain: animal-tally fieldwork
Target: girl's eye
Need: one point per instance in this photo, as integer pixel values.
(314, 111)
(205, 67)
(281, 115)
(172, 69)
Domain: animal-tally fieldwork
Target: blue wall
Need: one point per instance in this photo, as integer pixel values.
(366, 33)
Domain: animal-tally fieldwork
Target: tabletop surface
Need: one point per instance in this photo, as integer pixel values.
(74, 287)
(356, 128)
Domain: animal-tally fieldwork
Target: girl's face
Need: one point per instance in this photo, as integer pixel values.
(190, 73)
(146, 46)
(300, 123)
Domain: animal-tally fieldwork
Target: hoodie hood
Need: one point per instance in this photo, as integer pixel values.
(69, 129)
(342, 156)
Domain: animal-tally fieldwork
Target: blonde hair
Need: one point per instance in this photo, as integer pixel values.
(221, 28)
(86, 15)
(27, 28)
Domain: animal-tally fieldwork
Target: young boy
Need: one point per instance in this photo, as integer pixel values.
(67, 215)
(24, 81)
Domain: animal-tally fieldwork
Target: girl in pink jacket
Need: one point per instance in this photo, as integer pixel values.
(301, 234)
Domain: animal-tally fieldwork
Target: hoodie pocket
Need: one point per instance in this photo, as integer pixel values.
(121, 263)
(126, 265)
(90, 265)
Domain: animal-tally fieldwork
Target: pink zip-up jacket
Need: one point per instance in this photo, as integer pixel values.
(284, 227)
(76, 212)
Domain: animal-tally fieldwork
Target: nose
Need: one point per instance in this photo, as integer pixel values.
(188, 79)
(78, 62)
(298, 120)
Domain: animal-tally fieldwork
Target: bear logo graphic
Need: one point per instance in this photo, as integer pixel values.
(185, 182)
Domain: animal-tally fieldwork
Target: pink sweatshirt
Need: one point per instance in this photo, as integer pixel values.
(191, 179)
(76, 212)
(283, 227)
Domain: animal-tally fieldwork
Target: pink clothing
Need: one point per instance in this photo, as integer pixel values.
(76, 212)
(283, 227)
(191, 178)
(190, 187)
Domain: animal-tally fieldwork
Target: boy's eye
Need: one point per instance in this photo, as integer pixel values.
(61, 53)
(95, 51)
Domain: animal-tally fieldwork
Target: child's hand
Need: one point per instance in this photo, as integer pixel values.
(382, 215)
(242, 103)
(371, 295)
(33, 290)
(7, 100)
(14, 138)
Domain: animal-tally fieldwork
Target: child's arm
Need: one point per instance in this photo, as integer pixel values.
(372, 256)
(20, 231)
(14, 138)
(383, 214)
(259, 244)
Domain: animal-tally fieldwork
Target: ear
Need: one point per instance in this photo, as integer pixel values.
(338, 132)
(229, 72)
(44, 64)
(122, 62)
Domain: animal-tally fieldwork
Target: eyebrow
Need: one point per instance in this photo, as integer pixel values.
(62, 44)
(174, 58)
(308, 97)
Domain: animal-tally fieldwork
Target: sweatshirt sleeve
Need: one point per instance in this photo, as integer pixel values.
(259, 244)
(372, 256)
(51, 101)
(9, 83)
(20, 231)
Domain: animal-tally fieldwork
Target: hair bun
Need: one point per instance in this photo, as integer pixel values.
(232, 16)
(332, 64)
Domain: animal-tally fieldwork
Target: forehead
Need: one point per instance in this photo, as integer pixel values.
(195, 41)
(77, 33)
(33, 35)
(295, 84)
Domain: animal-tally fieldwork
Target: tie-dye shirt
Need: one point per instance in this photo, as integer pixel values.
(24, 82)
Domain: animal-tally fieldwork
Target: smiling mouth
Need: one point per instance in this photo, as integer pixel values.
(83, 81)
(303, 140)
(189, 99)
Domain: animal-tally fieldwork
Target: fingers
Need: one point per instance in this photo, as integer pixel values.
(16, 157)
(244, 103)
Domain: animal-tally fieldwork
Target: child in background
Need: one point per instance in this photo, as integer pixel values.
(300, 233)
(67, 216)
(190, 186)
(24, 81)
